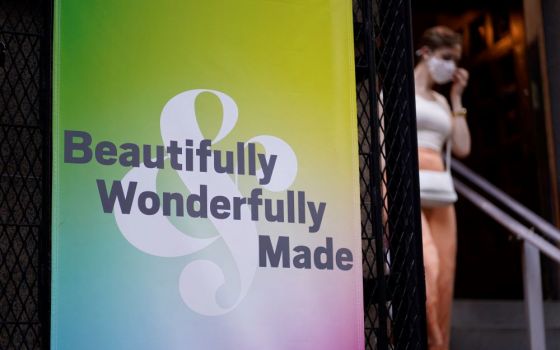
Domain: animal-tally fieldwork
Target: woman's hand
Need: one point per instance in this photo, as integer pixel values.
(460, 81)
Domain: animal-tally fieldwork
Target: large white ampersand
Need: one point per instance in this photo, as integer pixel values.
(156, 235)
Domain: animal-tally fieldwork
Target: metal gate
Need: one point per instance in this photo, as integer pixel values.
(392, 264)
(394, 288)
(24, 170)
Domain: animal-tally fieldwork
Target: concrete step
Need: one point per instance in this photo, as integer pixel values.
(497, 325)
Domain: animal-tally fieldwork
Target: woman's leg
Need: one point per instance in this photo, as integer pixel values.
(431, 267)
(443, 228)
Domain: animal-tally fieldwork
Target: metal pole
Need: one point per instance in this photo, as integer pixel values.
(533, 296)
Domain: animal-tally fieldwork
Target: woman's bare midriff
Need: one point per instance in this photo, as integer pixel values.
(430, 159)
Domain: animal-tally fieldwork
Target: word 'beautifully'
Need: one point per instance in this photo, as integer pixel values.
(78, 149)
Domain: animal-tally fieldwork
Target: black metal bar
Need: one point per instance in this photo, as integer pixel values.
(15, 176)
(16, 126)
(420, 295)
(46, 123)
(406, 281)
(375, 181)
(22, 33)
(11, 224)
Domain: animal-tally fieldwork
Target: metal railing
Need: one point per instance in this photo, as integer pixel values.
(533, 243)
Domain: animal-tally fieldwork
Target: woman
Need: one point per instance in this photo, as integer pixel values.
(439, 124)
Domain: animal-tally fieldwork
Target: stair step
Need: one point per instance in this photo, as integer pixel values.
(497, 324)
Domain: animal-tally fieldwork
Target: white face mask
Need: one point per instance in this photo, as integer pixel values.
(441, 70)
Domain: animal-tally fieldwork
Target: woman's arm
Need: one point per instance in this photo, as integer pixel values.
(460, 135)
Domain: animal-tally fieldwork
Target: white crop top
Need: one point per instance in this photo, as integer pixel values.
(433, 124)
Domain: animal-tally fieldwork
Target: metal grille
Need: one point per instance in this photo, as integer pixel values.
(394, 292)
(24, 231)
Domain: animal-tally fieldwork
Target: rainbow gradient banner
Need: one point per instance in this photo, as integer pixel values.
(205, 176)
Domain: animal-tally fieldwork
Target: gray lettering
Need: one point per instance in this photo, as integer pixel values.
(271, 217)
(178, 199)
(219, 167)
(132, 155)
(267, 168)
(70, 146)
(344, 255)
(303, 260)
(116, 194)
(174, 151)
(252, 155)
(301, 207)
(202, 200)
(254, 201)
(316, 215)
(105, 153)
(241, 158)
(143, 203)
(157, 162)
(189, 155)
(267, 250)
(219, 207)
(327, 252)
(203, 152)
(237, 203)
